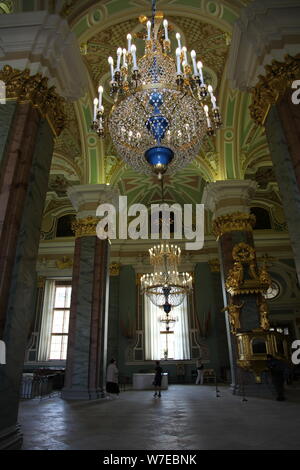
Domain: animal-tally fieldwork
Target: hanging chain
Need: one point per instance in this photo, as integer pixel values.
(153, 12)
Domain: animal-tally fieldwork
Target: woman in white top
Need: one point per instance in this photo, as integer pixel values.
(112, 378)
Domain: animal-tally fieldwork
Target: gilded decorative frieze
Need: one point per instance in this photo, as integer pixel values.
(65, 262)
(272, 86)
(26, 88)
(233, 222)
(85, 227)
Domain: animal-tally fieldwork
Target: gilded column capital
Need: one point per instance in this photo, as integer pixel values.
(85, 227)
(236, 221)
(272, 86)
(25, 88)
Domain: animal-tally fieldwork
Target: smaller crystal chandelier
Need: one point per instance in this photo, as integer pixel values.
(169, 322)
(166, 287)
(163, 108)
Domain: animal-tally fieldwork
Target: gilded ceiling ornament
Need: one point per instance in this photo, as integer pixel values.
(271, 87)
(26, 88)
(236, 221)
(85, 227)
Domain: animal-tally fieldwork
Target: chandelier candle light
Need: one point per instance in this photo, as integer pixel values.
(162, 106)
(166, 287)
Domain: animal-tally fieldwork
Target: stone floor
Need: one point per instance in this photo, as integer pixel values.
(186, 417)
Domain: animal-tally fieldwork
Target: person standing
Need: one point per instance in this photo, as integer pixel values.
(157, 379)
(112, 378)
(278, 369)
(200, 372)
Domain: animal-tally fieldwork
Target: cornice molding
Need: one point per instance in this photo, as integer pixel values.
(272, 86)
(25, 88)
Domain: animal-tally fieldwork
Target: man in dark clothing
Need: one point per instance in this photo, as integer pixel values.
(277, 369)
(157, 379)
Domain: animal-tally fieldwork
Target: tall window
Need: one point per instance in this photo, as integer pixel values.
(157, 342)
(60, 323)
(55, 320)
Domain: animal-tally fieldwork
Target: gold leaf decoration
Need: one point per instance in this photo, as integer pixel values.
(26, 88)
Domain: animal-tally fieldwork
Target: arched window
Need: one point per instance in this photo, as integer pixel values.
(263, 221)
(64, 226)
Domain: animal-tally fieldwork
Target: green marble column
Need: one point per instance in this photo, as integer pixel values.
(209, 303)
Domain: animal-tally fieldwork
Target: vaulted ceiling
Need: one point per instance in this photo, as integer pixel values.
(239, 150)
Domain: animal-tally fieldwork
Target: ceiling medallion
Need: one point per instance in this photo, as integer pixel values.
(162, 106)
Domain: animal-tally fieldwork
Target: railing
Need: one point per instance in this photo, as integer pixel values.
(36, 386)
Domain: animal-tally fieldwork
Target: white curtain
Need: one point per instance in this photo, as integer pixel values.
(178, 343)
(47, 314)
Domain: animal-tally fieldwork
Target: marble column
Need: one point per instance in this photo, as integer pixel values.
(233, 225)
(32, 115)
(265, 60)
(87, 345)
(282, 131)
(24, 183)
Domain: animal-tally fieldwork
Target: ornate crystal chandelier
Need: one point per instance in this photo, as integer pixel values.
(166, 287)
(162, 106)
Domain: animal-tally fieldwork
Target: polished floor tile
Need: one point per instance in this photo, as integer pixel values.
(186, 417)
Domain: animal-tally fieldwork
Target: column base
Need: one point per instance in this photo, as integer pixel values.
(11, 438)
(82, 394)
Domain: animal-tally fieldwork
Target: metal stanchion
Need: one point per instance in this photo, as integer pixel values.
(217, 388)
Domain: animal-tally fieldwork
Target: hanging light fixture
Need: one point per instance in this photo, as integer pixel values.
(162, 106)
(166, 287)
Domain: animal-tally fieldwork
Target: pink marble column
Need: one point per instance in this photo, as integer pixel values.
(15, 177)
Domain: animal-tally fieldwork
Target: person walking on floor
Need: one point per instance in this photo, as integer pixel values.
(112, 378)
(200, 372)
(157, 379)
